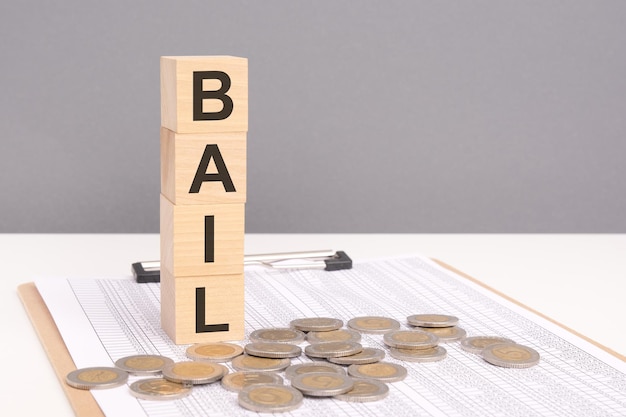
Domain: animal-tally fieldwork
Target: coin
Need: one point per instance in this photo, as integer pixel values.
(239, 380)
(365, 390)
(143, 364)
(410, 339)
(277, 335)
(269, 398)
(311, 367)
(432, 354)
(381, 371)
(159, 389)
(341, 335)
(214, 352)
(374, 324)
(194, 372)
(322, 384)
(316, 324)
(367, 355)
(99, 377)
(332, 349)
(432, 320)
(254, 363)
(273, 350)
(510, 355)
(476, 344)
(446, 334)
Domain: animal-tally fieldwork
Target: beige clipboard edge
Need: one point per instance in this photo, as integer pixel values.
(84, 403)
(474, 280)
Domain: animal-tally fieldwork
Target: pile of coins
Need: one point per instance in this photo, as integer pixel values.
(156, 388)
(502, 352)
(342, 367)
(272, 349)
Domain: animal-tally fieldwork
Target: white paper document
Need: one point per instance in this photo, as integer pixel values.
(102, 320)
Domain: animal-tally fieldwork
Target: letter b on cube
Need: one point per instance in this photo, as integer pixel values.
(194, 100)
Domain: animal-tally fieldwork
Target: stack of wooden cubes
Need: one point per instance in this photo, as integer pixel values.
(204, 124)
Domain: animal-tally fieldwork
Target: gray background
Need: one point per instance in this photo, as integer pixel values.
(395, 116)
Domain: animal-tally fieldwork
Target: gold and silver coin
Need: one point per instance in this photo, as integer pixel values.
(159, 389)
(194, 372)
(340, 335)
(143, 364)
(365, 390)
(381, 371)
(332, 349)
(98, 377)
(510, 355)
(432, 320)
(273, 350)
(322, 384)
(476, 344)
(373, 324)
(237, 381)
(432, 354)
(255, 363)
(446, 334)
(410, 339)
(213, 352)
(280, 335)
(316, 324)
(367, 355)
(269, 398)
(312, 367)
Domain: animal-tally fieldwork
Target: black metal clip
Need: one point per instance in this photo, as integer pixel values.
(328, 260)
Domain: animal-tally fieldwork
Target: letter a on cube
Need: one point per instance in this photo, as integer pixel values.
(203, 168)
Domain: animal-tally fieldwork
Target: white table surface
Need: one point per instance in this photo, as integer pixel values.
(577, 279)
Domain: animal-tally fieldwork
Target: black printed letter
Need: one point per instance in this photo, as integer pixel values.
(199, 95)
(209, 239)
(212, 151)
(201, 327)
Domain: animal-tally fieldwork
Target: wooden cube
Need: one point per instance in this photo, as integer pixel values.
(202, 309)
(201, 94)
(200, 240)
(203, 168)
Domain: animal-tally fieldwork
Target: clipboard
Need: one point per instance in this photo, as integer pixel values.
(84, 404)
